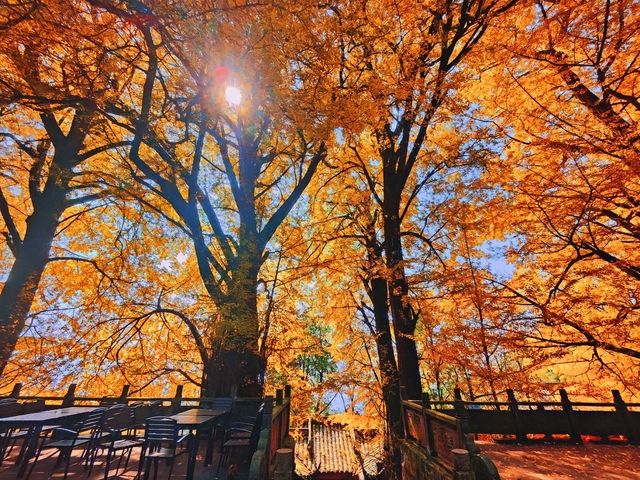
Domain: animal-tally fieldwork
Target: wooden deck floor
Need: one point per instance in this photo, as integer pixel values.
(44, 468)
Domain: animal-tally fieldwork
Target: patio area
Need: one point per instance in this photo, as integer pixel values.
(44, 469)
(194, 431)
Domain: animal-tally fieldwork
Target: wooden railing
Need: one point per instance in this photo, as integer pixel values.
(165, 404)
(548, 421)
(435, 446)
(273, 437)
(436, 432)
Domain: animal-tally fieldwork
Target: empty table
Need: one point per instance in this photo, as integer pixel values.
(35, 421)
(198, 419)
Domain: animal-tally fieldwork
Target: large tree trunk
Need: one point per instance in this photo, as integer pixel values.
(404, 318)
(236, 362)
(31, 259)
(388, 371)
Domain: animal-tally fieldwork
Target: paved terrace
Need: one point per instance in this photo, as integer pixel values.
(564, 462)
(45, 467)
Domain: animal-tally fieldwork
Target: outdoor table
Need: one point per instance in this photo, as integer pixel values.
(35, 421)
(203, 412)
(197, 419)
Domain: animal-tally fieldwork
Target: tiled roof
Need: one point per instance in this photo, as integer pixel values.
(336, 449)
(333, 449)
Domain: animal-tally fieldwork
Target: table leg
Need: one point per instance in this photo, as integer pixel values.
(34, 436)
(193, 455)
(208, 459)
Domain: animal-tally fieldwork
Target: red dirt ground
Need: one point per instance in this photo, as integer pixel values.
(564, 462)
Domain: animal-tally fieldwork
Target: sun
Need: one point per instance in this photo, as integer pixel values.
(233, 95)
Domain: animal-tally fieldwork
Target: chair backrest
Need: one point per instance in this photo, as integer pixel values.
(116, 419)
(93, 419)
(91, 423)
(9, 407)
(224, 403)
(161, 430)
(255, 431)
(135, 410)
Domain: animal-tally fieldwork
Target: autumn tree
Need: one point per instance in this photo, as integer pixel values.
(408, 71)
(57, 70)
(564, 93)
(217, 138)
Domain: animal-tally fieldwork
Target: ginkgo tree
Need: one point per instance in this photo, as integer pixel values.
(57, 70)
(215, 137)
(564, 97)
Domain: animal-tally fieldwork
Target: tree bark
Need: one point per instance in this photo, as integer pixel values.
(31, 259)
(32, 252)
(236, 362)
(404, 318)
(388, 370)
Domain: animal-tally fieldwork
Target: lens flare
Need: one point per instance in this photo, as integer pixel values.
(233, 96)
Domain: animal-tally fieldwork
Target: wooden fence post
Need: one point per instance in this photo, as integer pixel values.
(568, 410)
(521, 435)
(403, 411)
(268, 407)
(176, 403)
(548, 436)
(267, 425)
(124, 394)
(284, 464)
(69, 397)
(426, 405)
(426, 401)
(287, 395)
(621, 408)
(462, 465)
(15, 393)
(279, 396)
(461, 411)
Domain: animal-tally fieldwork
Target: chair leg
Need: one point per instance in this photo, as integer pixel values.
(11, 444)
(126, 463)
(59, 459)
(120, 461)
(147, 469)
(66, 466)
(35, 459)
(4, 442)
(141, 464)
(107, 465)
(171, 468)
(220, 461)
(93, 453)
(23, 449)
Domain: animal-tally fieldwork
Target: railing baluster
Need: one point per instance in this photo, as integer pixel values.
(621, 408)
(15, 393)
(521, 435)
(568, 409)
(69, 397)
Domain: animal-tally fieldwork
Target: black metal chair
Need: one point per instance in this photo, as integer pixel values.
(9, 436)
(162, 441)
(220, 425)
(237, 438)
(117, 424)
(85, 435)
